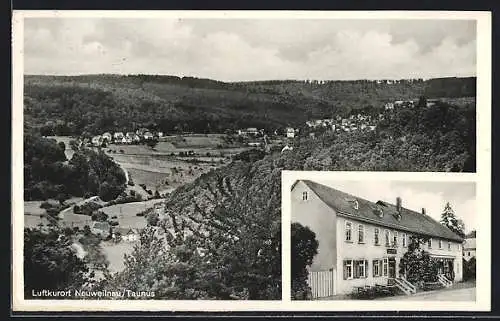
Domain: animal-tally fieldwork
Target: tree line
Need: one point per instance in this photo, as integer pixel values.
(72, 105)
(48, 173)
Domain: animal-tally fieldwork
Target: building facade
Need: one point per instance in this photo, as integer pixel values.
(361, 242)
(469, 248)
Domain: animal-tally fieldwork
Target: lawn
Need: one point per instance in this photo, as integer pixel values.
(33, 208)
(75, 220)
(126, 213)
(32, 221)
(115, 252)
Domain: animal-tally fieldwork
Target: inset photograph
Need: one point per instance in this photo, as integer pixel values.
(383, 240)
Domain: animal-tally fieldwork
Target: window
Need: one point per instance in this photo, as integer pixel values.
(376, 268)
(404, 240)
(386, 238)
(375, 236)
(361, 233)
(468, 253)
(385, 266)
(304, 196)
(429, 243)
(440, 244)
(356, 205)
(348, 269)
(348, 231)
(395, 239)
(449, 246)
(360, 271)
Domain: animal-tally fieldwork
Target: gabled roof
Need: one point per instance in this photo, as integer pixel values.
(470, 244)
(410, 221)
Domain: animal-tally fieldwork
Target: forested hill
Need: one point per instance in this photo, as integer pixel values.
(96, 103)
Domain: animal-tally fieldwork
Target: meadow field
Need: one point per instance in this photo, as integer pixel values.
(115, 253)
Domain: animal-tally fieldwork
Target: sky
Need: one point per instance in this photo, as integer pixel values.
(252, 49)
(433, 196)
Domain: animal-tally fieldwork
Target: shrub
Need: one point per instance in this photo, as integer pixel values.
(45, 205)
(99, 216)
(304, 248)
(52, 211)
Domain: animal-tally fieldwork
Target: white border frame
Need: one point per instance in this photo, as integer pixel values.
(482, 176)
(483, 274)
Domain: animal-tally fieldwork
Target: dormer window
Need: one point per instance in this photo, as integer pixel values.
(356, 205)
(378, 211)
(304, 196)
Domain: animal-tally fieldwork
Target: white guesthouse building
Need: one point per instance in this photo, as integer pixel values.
(361, 242)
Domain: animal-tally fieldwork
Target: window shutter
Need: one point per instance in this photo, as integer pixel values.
(373, 266)
(366, 267)
(346, 275)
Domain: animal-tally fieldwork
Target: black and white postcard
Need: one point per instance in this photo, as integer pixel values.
(149, 149)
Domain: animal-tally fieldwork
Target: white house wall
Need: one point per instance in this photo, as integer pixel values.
(365, 251)
(320, 218)
(369, 251)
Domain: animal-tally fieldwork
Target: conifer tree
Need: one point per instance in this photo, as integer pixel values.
(449, 219)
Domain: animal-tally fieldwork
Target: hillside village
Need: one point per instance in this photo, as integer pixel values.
(255, 137)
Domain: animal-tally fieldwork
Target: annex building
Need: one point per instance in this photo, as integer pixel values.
(361, 242)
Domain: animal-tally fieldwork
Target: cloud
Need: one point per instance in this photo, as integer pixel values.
(252, 49)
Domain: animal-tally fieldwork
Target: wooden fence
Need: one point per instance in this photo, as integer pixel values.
(322, 283)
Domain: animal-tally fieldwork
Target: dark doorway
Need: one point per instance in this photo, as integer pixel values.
(392, 268)
(450, 274)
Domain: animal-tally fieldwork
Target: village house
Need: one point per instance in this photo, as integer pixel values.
(131, 135)
(431, 102)
(107, 137)
(148, 135)
(118, 136)
(361, 243)
(127, 140)
(310, 123)
(290, 132)
(131, 235)
(140, 132)
(252, 131)
(159, 209)
(469, 248)
(97, 140)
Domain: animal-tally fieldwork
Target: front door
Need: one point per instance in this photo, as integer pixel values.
(392, 270)
(449, 270)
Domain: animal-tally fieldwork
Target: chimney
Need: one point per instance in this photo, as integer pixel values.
(398, 204)
(423, 210)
